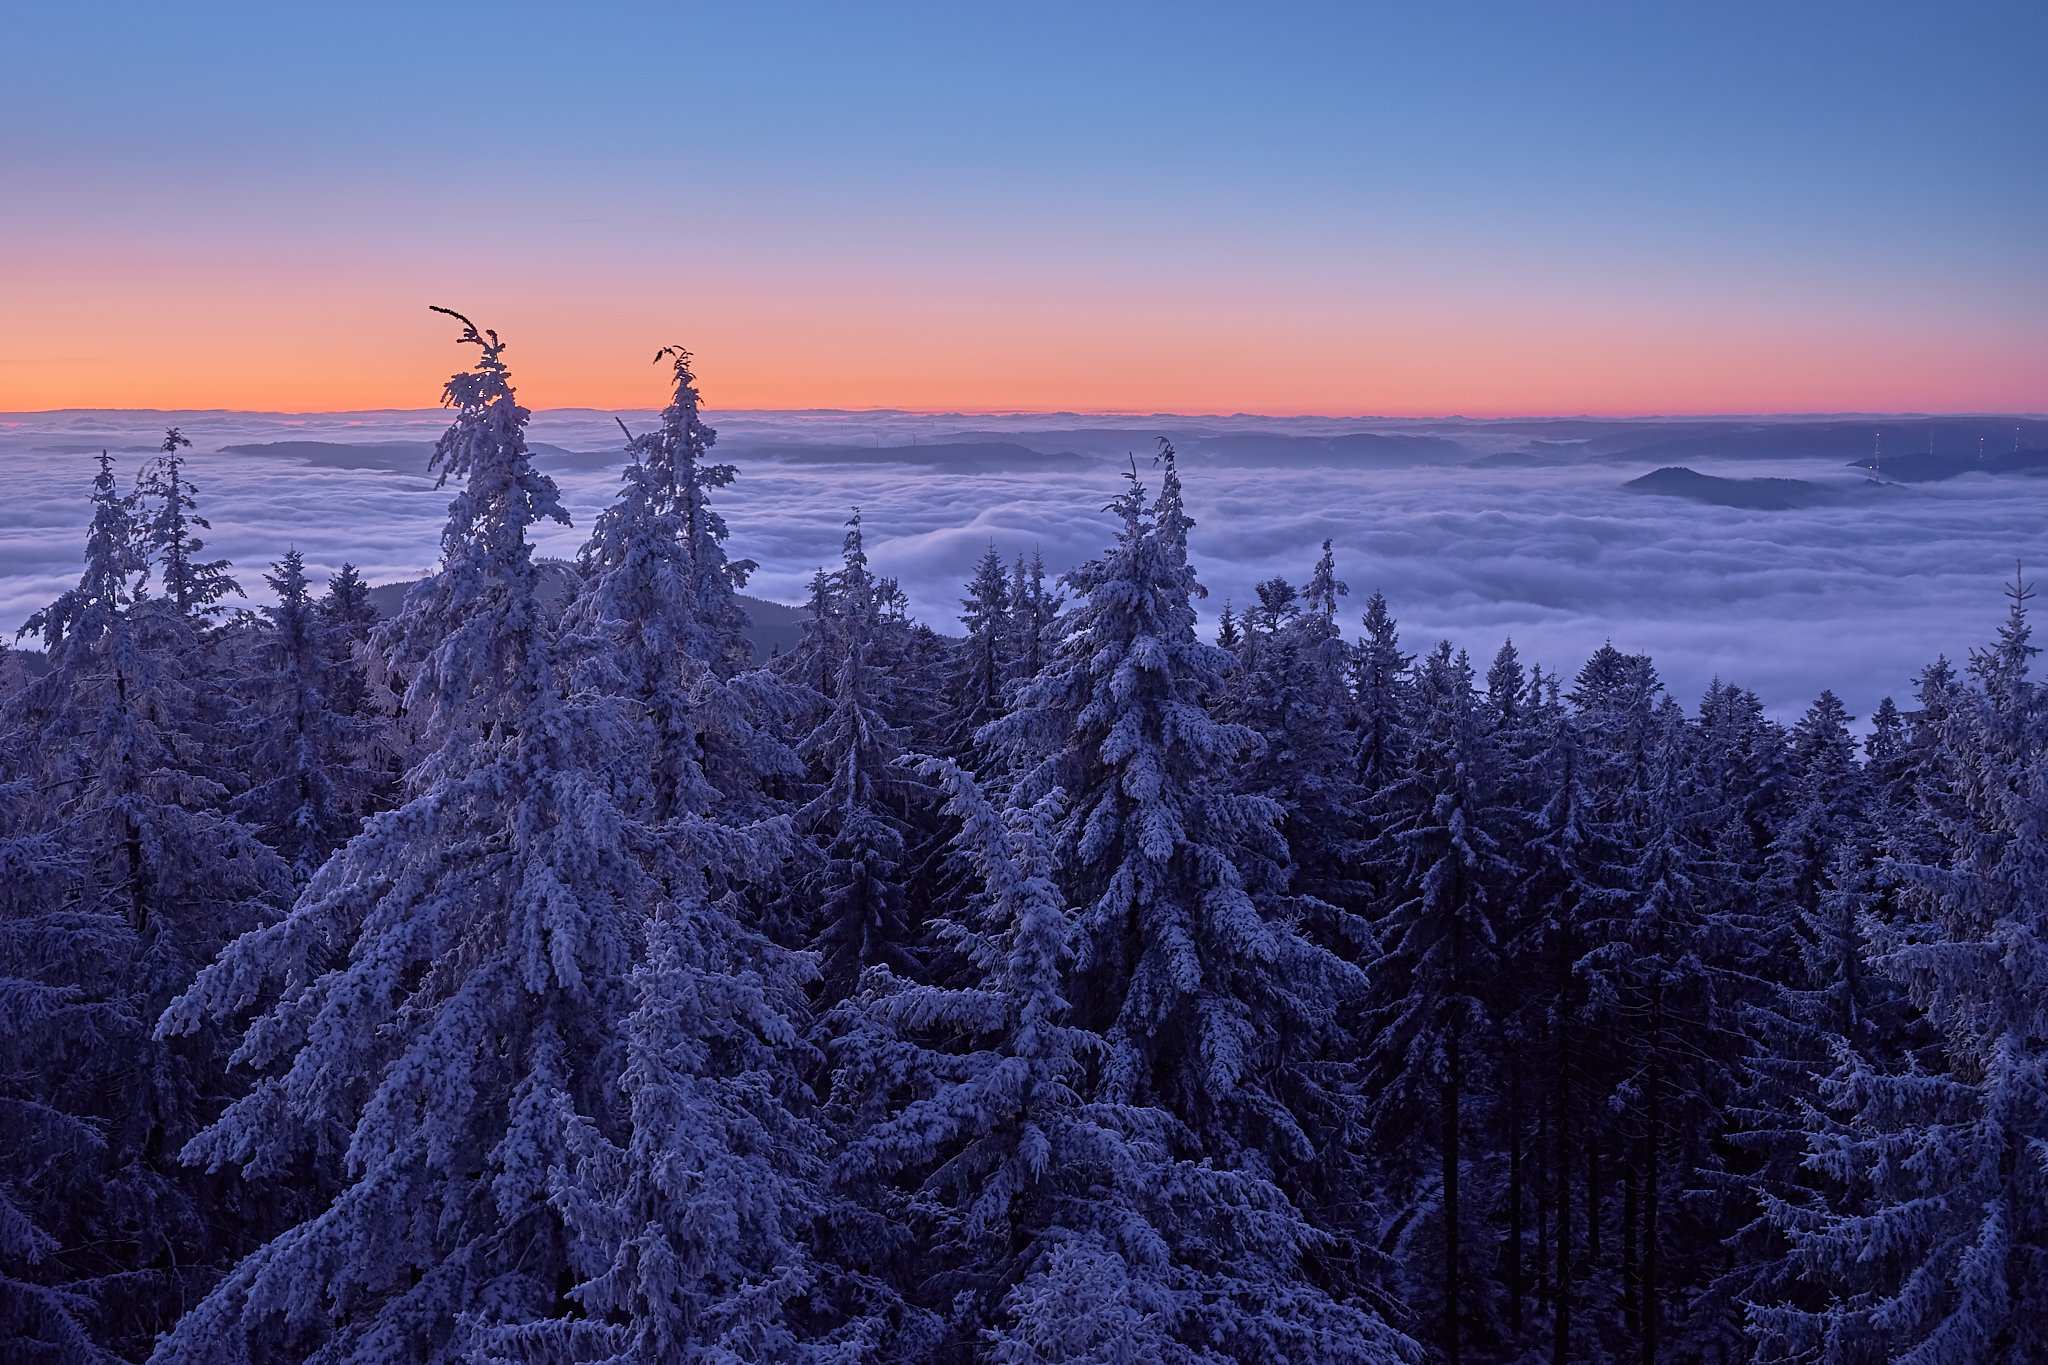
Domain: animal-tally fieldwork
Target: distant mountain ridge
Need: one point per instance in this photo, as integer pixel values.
(1759, 495)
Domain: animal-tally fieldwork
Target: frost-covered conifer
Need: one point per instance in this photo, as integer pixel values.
(985, 663)
(656, 622)
(444, 1005)
(1821, 810)
(307, 764)
(53, 1151)
(1292, 690)
(1506, 694)
(1176, 957)
(670, 476)
(1614, 699)
(1228, 636)
(689, 1236)
(346, 604)
(1432, 1011)
(1830, 1021)
(347, 612)
(1032, 613)
(1554, 1051)
(194, 587)
(1057, 1228)
(1669, 966)
(815, 660)
(862, 813)
(1276, 605)
(1380, 682)
(132, 880)
(1206, 998)
(1936, 1254)
(974, 1092)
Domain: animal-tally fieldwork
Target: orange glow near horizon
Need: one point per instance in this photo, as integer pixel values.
(239, 340)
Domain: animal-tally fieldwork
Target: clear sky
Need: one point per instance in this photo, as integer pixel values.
(1632, 207)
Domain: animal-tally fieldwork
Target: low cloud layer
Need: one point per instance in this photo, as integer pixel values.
(1856, 592)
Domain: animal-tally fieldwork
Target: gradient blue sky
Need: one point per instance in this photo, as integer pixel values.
(1504, 207)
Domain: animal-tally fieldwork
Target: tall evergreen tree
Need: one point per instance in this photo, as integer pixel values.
(985, 662)
(1207, 1001)
(656, 622)
(345, 608)
(306, 761)
(1946, 1172)
(140, 880)
(194, 587)
(862, 815)
(1381, 684)
(680, 482)
(1432, 1006)
(1292, 690)
(1032, 613)
(346, 604)
(444, 1003)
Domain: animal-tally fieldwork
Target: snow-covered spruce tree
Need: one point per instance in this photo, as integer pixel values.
(138, 880)
(1822, 809)
(814, 661)
(677, 482)
(862, 815)
(687, 1227)
(1572, 1019)
(1916, 786)
(984, 662)
(345, 608)
(1228, 636)
(1276, 597)
(307, 764)
(1834, 1022)
(1593, 997)
(346, 603)
(965, 1126)
(1805, 966)
(445, 1003)
(1669, 965)
(194, 587)
(689, 1233)
(1211, 1006)
(1507, 690)
(656, 623)
(1952, 1169)
(1382, 687)
(1032, 613)
(52, 1154)
(1292, 690)
(1433, 1041)
(1557, 1072)
(1056, 1229)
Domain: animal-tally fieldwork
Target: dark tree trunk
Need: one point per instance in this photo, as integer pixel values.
(1652, 1138)
(1450, 1176)
(1628, 1247)
(1514, 1257)
(1561, 1172)
(1561, 1342)
(1593, 1201)
(1539, 1182)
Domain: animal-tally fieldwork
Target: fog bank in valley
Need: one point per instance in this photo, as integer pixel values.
(1783, 560)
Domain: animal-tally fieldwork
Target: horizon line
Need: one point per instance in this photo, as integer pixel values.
(21, 417)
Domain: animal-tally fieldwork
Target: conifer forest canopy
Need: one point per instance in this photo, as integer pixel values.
(532, 968)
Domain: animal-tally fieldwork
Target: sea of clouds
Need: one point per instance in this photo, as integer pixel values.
(1854, 594)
